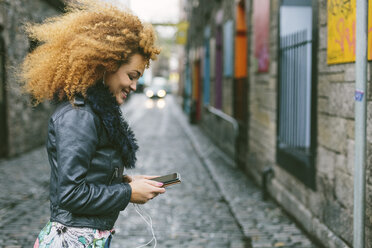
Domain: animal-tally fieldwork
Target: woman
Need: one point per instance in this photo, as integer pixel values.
(88, 62)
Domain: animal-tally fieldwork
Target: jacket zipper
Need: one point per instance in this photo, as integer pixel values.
(114, 175)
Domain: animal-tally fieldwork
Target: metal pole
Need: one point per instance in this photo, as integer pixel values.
(360, 122)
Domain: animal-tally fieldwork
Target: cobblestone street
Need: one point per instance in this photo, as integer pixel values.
(214, 206)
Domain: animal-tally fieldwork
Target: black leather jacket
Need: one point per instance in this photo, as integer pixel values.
(86, 188)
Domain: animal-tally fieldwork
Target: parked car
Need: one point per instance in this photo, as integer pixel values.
(158, 88)
(140, 85)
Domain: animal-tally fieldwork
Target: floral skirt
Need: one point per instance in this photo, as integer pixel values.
(56, 235)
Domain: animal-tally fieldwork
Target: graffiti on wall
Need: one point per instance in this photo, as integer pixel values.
(341, 31)
(261, 16)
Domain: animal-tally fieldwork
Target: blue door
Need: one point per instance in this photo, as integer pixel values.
(206, 67)
(188, 88)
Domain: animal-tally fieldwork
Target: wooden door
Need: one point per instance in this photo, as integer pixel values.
(197, 96)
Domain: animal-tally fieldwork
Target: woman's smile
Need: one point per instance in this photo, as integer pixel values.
(124, 80)
(124, 94)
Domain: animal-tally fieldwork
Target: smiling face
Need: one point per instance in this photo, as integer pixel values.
(124, 80)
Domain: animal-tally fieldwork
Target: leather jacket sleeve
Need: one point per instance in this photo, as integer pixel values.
(77, 136)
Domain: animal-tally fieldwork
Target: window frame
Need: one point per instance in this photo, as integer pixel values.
(301, 164)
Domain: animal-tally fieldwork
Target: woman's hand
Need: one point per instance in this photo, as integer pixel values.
(128, 179)
(144, 189)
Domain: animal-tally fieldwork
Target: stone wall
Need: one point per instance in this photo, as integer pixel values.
(325, 213)
(27, 125)
(205, 15)
(221, 128)
(227, 92)
(262, 101)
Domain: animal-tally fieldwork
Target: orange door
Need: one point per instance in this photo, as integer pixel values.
(240, 89)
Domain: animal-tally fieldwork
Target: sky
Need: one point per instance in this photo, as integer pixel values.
(155, 10)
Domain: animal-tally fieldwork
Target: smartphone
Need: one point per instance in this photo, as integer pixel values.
(168, 180)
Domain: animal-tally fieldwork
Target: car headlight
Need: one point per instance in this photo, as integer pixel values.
(149, 93)
(161, 93)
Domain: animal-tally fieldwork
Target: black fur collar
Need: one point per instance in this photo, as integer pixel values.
(104, 104)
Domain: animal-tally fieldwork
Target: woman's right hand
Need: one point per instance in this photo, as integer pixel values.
(144, 190)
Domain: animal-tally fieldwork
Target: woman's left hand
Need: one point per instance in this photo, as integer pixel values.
(128, 179)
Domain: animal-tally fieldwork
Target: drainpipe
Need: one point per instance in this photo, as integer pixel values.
(267, 173)
(360, 122)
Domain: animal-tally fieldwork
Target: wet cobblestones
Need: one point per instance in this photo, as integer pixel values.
(191, 214)
(24, 198)
(263, 222)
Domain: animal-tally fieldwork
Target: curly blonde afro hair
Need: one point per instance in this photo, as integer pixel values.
(79, 46)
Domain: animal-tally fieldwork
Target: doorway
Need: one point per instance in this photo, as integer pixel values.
(219, 68)
(240, 85)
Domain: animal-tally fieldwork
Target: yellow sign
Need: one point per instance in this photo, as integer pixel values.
(181, 36)
(341, 31)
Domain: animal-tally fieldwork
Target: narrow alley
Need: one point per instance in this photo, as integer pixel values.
(214, 206)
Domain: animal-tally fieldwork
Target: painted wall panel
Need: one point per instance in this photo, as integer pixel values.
(228, 48)
(240, 44)
(341, 31)
(219, 68)
(206, 68)
(261, 19)
(212, 54)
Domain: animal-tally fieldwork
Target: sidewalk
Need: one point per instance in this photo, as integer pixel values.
(263, 222)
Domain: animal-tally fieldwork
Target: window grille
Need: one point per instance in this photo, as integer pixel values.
(296, 122)
(295, 91)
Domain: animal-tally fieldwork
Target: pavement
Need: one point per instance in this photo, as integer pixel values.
(216, 205)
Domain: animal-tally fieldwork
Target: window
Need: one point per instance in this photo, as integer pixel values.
(296, 94)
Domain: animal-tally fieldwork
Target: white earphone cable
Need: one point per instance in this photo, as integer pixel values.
(148, 222)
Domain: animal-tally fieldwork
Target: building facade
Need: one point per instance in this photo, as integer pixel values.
(273, 82)
(22, 127)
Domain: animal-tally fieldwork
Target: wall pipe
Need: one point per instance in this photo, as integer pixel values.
(360, 122)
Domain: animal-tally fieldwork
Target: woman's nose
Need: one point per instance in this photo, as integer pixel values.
(133, 86)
